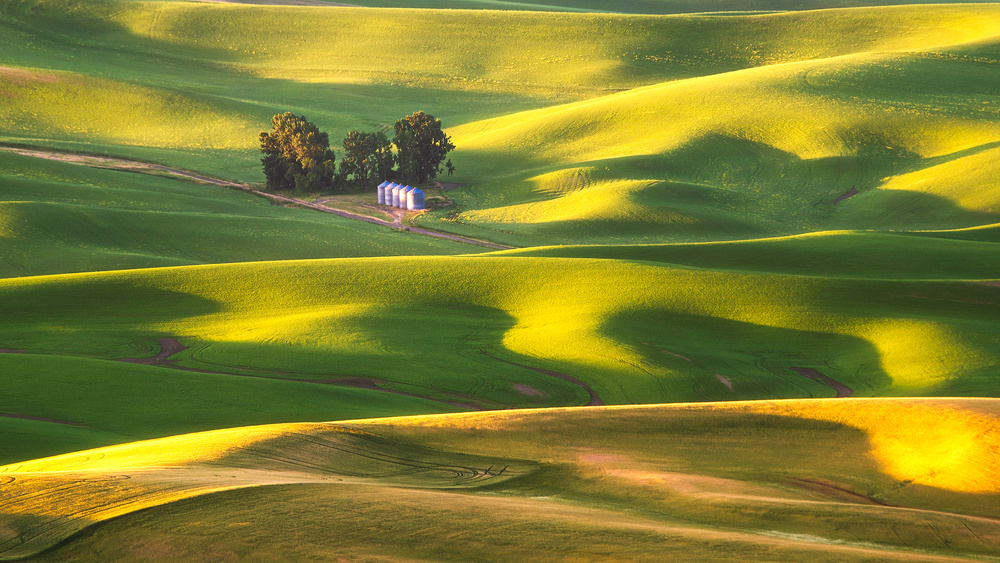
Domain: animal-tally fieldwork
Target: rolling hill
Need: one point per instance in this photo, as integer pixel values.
(847, 480)
(509, 330)
(678, 162)
(160, 77)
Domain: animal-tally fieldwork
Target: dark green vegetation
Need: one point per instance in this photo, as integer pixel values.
(96, 402)
(297, 155)
(423, 147)
(368, 158)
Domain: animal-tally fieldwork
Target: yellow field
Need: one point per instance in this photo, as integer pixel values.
(873, 469)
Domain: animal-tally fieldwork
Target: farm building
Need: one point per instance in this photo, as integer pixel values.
(395, 195)
(398, 195)
(415, 199)
(381, 191)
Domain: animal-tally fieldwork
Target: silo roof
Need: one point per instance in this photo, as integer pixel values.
(383, 184)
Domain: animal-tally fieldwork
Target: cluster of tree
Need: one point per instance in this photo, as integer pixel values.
(298, 155)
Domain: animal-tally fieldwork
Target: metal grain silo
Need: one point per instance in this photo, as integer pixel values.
(415, 199)
(403, 195)
(395, 196)
(381, 192)
(388, 192)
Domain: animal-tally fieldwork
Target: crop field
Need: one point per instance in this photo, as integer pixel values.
(712, 280)
(59, 218)
(837, 480)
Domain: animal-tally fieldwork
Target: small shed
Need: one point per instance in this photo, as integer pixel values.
(415, 199)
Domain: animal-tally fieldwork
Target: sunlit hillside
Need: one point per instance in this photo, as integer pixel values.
(746, 154)
(191, 84)
(493, 332)
(855, 480)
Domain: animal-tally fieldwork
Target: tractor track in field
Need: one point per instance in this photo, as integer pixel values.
(376, 385)
(42, 419)
(595, 400)
(170, 346)
(815, 375)
(126, 165)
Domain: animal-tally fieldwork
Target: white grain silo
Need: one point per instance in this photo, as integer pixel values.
(395, 196)
(415, 199)
(381, 192)
(403, 195)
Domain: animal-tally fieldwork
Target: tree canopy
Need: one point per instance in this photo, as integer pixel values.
(296, 154)
(422, 147)
(367, 157)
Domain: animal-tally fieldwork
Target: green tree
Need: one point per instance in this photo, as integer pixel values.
(422, 146)
(296, 155)
(367, 158)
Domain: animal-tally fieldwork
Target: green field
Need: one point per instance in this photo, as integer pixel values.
(713, 210)
(58, 218)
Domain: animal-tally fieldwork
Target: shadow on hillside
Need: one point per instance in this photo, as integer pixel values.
(94, 317)
(718, 359)
(727, 188)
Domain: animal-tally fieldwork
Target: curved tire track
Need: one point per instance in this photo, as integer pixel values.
(595, 400)
(815, 375)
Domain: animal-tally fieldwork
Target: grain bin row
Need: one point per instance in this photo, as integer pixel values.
(398, 195)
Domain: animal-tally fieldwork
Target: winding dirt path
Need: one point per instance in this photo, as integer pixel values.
(815, 375)
(160, 170)
(595, 400)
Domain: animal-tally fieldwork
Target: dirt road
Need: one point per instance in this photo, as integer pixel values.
(160, 170)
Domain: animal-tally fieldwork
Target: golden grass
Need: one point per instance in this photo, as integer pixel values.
(670, 460)
(922, 442)
(174, 451)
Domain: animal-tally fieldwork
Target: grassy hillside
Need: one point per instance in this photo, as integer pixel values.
(191, 84)
(57, 217)
(90, 403)
(914, 134)
(499, 331)
(931, 255)
(795, 480)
